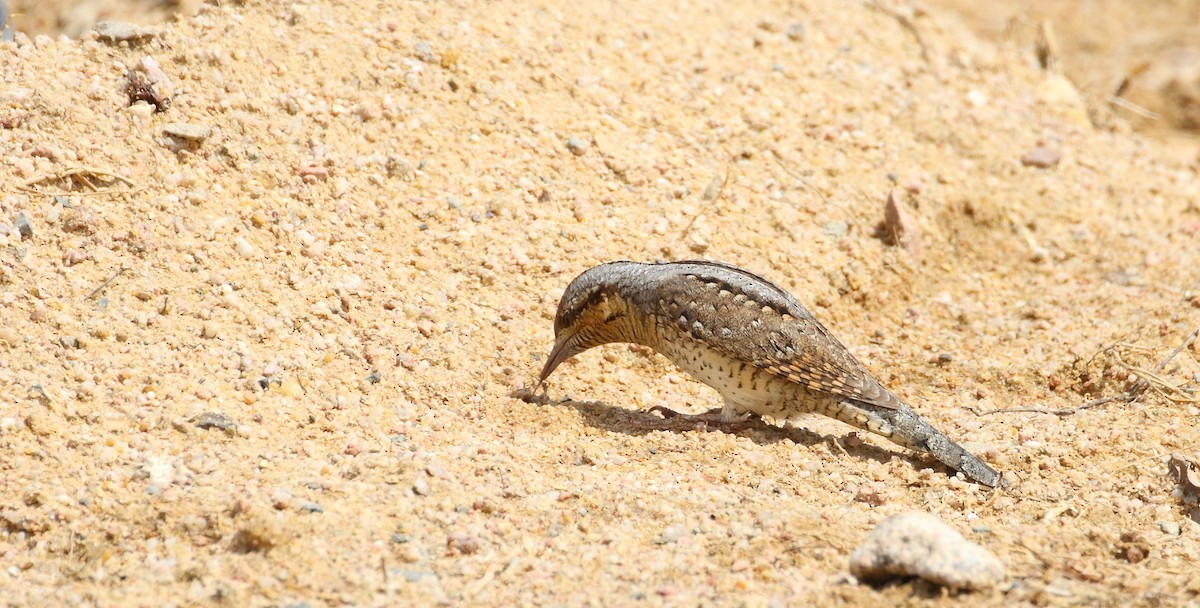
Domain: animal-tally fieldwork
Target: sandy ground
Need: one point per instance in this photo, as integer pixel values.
(351, 276)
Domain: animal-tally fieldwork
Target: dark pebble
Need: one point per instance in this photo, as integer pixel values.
(24, 228)
(214, 420)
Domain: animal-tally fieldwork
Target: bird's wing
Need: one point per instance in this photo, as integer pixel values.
(755, 320)
(820, 364)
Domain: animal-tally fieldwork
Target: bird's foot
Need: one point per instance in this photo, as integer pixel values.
(720, 417)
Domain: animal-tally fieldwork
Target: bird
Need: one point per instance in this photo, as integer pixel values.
(749, 339)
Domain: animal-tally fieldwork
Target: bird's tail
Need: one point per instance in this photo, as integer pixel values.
(905, 427)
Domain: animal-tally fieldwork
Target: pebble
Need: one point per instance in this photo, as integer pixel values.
(191, 132)
(120, 31)
(159, 470)
(1170, 528)
(671, 535)
(425, 52)
(898, 228)
(10, 336)
(24, 228)
(836, 229)
(920, 544)
(80, 220)
(214, 420)
(414, 576)
(281, 499)
(796, 32)
(577, 146)
(243, 247)
(1041, 157)
(420, 486)
(311, 507)
(290, 387)
(463, 543)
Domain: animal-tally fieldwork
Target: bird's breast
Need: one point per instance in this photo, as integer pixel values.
(739, 381)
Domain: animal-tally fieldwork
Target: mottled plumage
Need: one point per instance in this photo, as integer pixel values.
(744, 336)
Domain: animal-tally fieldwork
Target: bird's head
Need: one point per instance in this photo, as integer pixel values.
(593, 311)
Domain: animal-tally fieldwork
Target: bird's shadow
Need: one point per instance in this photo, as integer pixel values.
(633, 422)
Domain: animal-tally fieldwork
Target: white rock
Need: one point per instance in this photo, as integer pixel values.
(160, 471)
(919, 544)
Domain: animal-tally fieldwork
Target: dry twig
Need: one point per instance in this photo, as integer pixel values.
(85, 178)
(712, 194)
(1146, 380)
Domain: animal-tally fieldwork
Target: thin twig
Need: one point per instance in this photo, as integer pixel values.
(1123, 103)
(1151, 379)
(712, 200)
(1146, 379)
(905, 22)
(1039, 410)
(97, 290)
(797, 177)
(80, 176)
(1186, 343)
(575, 88)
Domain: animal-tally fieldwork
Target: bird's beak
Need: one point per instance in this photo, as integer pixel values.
(564, 348)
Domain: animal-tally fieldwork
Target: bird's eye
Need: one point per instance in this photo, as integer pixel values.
(613, 317)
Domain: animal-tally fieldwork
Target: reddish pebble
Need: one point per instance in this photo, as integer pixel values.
(1041, 157)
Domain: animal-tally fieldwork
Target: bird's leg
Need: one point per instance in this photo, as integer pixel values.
(729, 417)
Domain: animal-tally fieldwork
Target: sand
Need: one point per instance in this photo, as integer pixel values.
(278, 358)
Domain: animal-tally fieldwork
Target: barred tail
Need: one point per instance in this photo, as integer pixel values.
(905, 427)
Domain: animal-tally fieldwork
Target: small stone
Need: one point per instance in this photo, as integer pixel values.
(24, 228)
(919, 544)
(671, 535)
(425, 52)
(420, 486)
(214, 420)
(190, 132)
(281, 499)
(409, 553)
(159, 470)
(796, 32)
(463, 543)
(311, 507)
(75, 257)
(898, 228)
(10, 336)
(290, 387)
(1133, 547)
(80, 220)
(414, 576)
(1170, 528)
(836, 229)
(577, 146)
(120, 31)
(1041, 157)
(243, 247)
(209, 331)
